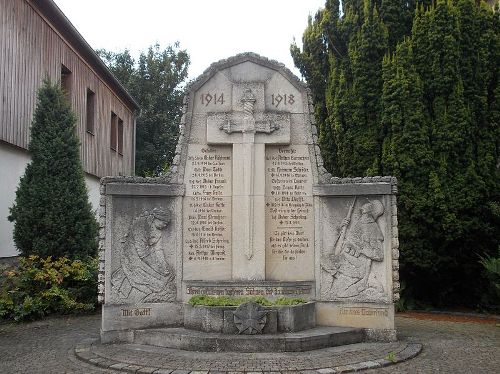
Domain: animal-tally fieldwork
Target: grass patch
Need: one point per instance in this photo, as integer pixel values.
(391, 356)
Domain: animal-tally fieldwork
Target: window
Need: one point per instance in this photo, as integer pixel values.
(114, 132)
(90, 111)
(120, 136)
(66, 80)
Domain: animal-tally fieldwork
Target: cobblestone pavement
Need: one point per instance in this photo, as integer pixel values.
(449, 347)
(47, 346)
(255, 362)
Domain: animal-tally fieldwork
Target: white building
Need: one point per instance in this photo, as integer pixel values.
(36, 41)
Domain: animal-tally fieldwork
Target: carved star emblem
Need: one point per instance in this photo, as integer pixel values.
(250, 318)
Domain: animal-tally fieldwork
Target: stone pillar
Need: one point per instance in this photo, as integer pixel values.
(248, 211)
(248, 128)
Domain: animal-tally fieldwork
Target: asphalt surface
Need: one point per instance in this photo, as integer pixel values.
(456, 345)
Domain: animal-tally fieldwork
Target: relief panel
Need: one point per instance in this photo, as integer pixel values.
(355, 252)
(143, 255)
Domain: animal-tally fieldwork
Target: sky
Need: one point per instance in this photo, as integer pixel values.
(209, 30)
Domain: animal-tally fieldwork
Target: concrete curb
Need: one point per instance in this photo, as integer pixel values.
(83, 351)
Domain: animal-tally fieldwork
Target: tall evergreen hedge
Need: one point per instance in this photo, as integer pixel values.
(52, 215)
(411, 89)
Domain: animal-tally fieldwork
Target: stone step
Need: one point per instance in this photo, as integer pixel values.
(190, 340)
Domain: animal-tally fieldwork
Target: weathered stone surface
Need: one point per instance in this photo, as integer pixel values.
(317, 338)
(140, 315)
(352, 189)
(289, 214)
(248, 209)
(203, 318)
(296, 317)
(355, 249)
(141, 256)
(222, 318)
(269, 289)
(250, 318)
(145, 189)
(207, 213)
(365, 315)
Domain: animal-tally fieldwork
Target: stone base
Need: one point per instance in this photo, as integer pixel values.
(296, 317)
(317, 338)
(122, 317)
(365, 315)
(286, 318)
(117, 336)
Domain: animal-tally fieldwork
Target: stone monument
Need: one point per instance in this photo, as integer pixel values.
(247, 209)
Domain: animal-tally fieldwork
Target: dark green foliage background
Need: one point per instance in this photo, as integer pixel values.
(154, 80)
(410, 89)
(52, 215)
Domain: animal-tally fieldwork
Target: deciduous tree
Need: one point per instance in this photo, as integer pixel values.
(155, 81)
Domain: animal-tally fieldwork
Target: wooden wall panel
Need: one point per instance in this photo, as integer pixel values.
(30, 50)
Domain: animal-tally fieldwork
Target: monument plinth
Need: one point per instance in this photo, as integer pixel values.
(247, 209)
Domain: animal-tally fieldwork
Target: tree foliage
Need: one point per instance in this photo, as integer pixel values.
(418, 98)
(155, 81)
(52, 215)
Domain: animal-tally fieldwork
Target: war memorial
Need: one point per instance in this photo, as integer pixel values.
(248, 210)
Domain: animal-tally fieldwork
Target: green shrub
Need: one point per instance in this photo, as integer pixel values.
(42, 286)
(289, 301)
(235, 301)
(491, 298)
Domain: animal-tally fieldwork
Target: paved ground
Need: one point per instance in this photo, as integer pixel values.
(449, 347)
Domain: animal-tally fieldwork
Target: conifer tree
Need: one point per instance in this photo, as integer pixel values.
(366, 52)
(397, 16)
(447, 214)
(313, 65)
(342, 52)
(406, 151)
(52, 215)
(426, 110)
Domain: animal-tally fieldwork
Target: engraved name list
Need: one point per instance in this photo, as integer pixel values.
(207, 211)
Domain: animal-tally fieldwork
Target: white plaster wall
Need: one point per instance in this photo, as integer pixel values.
(13, 161)
(93, 189)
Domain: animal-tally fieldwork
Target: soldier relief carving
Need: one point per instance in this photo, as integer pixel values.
(348, 266)
(143, 274)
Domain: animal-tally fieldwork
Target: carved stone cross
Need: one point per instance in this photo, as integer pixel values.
(248, 124)
(248, 131)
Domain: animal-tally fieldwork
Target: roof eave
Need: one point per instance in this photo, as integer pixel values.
(63, 25)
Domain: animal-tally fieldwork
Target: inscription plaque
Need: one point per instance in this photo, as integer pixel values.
(267, 289)
(207, 213)
(289, 214)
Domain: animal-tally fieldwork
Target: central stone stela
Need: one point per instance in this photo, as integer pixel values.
(248, 209)
(242, 128)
